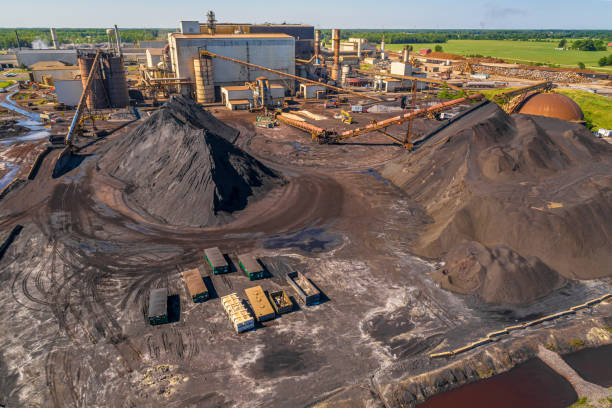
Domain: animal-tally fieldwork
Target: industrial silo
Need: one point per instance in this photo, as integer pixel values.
(116, 81)
(97, 98)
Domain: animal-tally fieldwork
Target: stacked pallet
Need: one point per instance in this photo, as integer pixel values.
(241, 319)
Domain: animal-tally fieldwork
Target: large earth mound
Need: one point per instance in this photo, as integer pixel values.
(535, 193)
(181, 167)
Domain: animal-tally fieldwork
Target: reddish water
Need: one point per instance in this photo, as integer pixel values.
(529, 385)
(594, 365)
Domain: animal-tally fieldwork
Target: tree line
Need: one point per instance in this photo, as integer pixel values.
(441, 36)
(8, 39)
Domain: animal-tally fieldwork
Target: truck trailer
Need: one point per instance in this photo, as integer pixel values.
(304, 288)
(251, 267)
(195, 285)
(158, 306)
(216, 260)
(281, 302)
(240, 317)
(260, 304)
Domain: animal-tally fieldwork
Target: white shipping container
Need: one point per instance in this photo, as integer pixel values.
(604, 132)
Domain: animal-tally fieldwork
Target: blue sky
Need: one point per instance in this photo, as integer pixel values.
(538, 14)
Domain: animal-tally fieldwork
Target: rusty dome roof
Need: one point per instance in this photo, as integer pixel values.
(553, 105)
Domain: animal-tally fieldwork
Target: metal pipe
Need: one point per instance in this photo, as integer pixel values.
(317, 44)
(281, 73)
(54, 38)
(118, 39)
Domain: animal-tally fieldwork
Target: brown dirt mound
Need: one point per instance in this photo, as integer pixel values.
(181, 168)
(540, 186)
(497, 275)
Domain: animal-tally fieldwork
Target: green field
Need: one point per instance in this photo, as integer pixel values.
(519, 51)
(597, 109)
(4, 84)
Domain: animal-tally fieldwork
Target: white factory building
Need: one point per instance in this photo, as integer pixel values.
(276, 51)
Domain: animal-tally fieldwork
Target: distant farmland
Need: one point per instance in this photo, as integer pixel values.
(519, 51)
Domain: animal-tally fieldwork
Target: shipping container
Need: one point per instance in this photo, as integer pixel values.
(251, 267)
(216, 260)
(158, 306)
(195, 285)
(239, 316)
(259, 304)
(304, 288)
(281, 302)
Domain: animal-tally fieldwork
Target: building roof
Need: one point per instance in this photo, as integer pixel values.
(553, 105)
(249, 262)
(158, 302)
(195, 283)
(259, 302)
(236, 88)
(155, 51)
(229, 36)
(54, 68)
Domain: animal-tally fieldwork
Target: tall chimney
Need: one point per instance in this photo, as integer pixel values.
(54, 38)
(336, 46)
(406, 56)
(118, 39)
(317, 44)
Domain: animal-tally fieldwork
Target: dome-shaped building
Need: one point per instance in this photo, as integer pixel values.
(553, 105)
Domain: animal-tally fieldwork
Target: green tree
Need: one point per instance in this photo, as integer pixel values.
(581, 65)
(562, 43)
(439, 48)
(603, 61)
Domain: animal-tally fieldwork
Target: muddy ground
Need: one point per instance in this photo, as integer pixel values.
(74, 285)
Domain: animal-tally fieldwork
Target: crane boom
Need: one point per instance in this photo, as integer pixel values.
(507, 95)
(281, 73)
(79, 110)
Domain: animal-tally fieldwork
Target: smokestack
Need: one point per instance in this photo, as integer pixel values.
(54, 38)
(336, 46)
(110, 33)
(406, 56)
(317, 44)
(118, 39)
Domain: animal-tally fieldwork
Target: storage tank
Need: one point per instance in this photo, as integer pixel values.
(97, 97)
(116, 82)
(205, 89)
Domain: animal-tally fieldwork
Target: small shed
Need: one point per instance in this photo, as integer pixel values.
(425, 51)
(260, 304)
(216, 260)
(309, 91)
(195, 285)
(251, 267)
(158, 306)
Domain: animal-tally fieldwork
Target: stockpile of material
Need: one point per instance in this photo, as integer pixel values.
(181, 167)
(518, 204)
(532, 73)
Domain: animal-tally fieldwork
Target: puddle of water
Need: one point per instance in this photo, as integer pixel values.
(376, 175)
(8, 177)
(593, 364)
(529, 385)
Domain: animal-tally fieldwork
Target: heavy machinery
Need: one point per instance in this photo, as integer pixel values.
(346, 117)
(262, 98)
(80, 107)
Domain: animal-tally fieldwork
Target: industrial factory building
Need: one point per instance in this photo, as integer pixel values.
(276, 51)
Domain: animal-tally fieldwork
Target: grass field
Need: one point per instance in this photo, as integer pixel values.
(4, 84)
(519, 51)
(597, 109)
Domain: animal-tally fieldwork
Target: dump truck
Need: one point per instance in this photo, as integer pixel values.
(251, 267)
(260, 304)
(195, 285)
(216, 260)
(304, 288)
(281, 302)
(158, 306)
